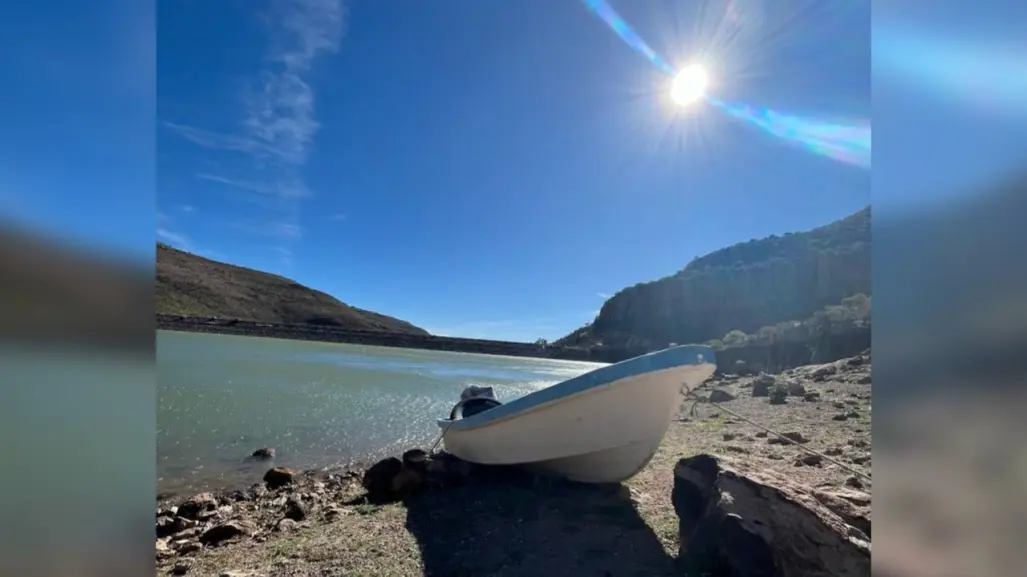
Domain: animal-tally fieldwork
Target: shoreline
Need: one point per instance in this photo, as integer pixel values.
(746, 359)
(464, 520)
(373, 338)
(226, 489)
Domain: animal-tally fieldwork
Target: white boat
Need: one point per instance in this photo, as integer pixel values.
(601, 427)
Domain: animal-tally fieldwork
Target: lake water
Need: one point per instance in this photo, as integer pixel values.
(318, 404)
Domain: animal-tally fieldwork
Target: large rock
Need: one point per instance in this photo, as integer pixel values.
(279, 477)
(379, 479)
(393, 478)
(264, 453)
(226, 531)
(739, 523)
(201, 506)
(720, 396)
(294, 509)
(795, 388)
(168, 525)
(761, 385)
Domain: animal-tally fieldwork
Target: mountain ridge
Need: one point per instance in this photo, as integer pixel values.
(744, 287)
(190, 285)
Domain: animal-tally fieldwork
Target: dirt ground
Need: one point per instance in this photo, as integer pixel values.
(528, 527)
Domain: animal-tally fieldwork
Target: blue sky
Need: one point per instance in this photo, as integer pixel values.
(484, 169)
(487, 169)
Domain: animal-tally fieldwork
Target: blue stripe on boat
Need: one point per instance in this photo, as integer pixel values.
(658, 361)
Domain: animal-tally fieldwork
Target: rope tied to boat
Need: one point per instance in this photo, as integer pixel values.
(431, 451)
(690, 394)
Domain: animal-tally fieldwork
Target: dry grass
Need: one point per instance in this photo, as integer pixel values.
(530, 528)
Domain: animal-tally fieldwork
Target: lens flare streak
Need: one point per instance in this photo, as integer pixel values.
(976, 73)
(627, 34)
(846, 142)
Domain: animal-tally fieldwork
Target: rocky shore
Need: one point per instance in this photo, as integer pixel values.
(421, 514)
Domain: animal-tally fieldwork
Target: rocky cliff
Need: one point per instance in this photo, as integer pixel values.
(745, 287)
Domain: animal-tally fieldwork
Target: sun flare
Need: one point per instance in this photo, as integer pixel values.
(689, 85)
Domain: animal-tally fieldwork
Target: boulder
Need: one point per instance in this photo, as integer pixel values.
(279, 477)
(378, 479)
(198, 507)
(822, 372)
(791, 436)
(445, 469)
(416, 459)
(810, 460)
(163, 551)
(294, 509)
(264, 453)
(761, 385)
(167, 525)
(285, 525)
(795, 388)
(225, 531)
(720, 396)
(735, 521)
(406, 481)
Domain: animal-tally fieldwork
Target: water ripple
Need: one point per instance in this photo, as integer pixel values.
(321, 405)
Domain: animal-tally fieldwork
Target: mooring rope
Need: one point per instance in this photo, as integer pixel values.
(431, 451)
(689, 394)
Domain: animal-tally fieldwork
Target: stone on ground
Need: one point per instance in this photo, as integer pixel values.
(720, 396)
(279, 477)
(761, 385)
(747, 522)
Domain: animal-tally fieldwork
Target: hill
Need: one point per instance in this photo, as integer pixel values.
(744, 287)
(193, 286)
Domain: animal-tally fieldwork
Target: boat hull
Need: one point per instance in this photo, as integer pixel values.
(604, 433)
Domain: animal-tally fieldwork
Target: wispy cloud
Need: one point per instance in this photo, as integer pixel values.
(173, 238)
(279, 189)
(285, 253)
(186, 208)
(279, 124)
(169, 232)
(337, 216)
(604, 295)
(281, 229)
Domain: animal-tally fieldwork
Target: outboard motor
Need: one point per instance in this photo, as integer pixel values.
(474, 400)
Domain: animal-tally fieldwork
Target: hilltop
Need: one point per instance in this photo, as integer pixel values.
(759, 286)
(193, 286)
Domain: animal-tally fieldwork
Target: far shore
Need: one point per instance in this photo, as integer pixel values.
(375, 338)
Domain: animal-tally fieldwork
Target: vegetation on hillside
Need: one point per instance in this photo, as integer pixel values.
(190, 285)
(737, 291)
(853, 312)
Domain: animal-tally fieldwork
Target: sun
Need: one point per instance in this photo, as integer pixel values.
(689, 85)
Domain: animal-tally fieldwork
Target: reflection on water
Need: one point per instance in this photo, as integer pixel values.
(319, 404)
